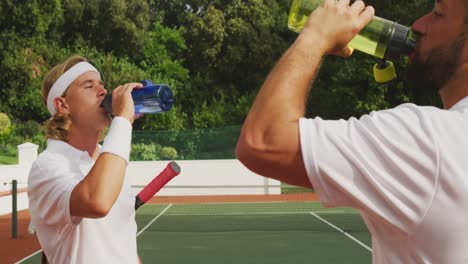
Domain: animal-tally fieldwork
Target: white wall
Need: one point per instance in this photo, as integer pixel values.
(22, 203)
(8, 173)
(203, 177)
(197, 177)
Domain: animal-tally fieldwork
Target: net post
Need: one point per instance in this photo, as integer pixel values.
(266, 186)
(14, 212)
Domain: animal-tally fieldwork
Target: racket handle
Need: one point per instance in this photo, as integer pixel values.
(138, 202)
(172, 169)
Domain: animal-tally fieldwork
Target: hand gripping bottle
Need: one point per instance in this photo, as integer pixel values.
(381, 38)
(151, 99)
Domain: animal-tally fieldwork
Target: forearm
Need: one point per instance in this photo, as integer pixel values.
(282, 99)
(95, 195)
(269, 143)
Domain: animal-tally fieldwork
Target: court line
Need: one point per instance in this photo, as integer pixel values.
(30, 256)
(141, 231)
(326, 211)
(154, 219)
(342, 231)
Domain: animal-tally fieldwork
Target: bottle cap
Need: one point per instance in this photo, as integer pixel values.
(384, 72)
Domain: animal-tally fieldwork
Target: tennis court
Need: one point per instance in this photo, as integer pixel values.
(285, 228)
(251, 232)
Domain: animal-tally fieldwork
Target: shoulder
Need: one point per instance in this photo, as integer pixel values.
(406, 117)
(407, 111)
(46, 166)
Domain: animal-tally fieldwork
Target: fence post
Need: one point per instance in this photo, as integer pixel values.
(266, 187)
(27, 153)
(14, 213)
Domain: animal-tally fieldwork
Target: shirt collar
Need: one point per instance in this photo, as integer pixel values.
(58, 146)
(461, 105)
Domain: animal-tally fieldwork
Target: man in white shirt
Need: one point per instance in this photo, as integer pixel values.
(81, 209)
(405, 169)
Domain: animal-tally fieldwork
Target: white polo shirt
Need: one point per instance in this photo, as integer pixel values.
(68, 239)
(406, 171)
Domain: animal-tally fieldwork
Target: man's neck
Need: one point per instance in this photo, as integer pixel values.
(85, 140)
(456, 88)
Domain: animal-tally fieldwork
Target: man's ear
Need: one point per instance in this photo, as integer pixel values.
(60, 104)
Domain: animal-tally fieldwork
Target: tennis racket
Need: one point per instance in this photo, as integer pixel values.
(172, 169)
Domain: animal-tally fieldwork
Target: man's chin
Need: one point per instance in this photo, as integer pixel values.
(419, 76)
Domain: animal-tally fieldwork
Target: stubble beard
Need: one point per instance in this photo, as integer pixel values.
(439, 67)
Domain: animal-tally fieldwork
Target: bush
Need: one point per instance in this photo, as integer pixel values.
(168, 153)
(4, 123)
(19, 133)
(144, 152)
(152, 151)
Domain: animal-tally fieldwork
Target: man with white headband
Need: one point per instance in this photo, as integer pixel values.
(81, 209)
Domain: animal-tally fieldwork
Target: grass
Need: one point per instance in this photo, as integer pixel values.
(7, 160)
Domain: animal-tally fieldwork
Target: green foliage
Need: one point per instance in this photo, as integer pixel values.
(232, 46)
(152, 151)
(4, 123)
(31, 19)
(209, 143)
(168, 153)
(211, 116)
(8, 160)
(29, 131)
(110, 25)
(19, 133)
(214, 54)
(29, 29)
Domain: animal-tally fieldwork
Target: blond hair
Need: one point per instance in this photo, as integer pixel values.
(59, 125)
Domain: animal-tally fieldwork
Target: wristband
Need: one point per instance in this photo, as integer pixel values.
(119, 138)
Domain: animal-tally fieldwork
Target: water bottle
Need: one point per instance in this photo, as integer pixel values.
(382, 38)
(151, 99)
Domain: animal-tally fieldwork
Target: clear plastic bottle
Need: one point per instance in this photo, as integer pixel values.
(151, 99)
(381, 38)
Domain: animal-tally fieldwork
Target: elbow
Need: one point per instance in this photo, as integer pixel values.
(94, 206)
(85, 202)
(249, 152)
(243, 150)
(99, 209)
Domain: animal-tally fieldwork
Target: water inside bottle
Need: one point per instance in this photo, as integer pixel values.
(148, 106)
(372, 39)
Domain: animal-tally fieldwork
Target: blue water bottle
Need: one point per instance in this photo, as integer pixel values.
(151, 99)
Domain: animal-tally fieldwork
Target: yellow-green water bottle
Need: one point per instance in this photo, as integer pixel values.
(381, 38)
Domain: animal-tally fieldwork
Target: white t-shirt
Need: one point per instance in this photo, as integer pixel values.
(68, 239)
(406, 171)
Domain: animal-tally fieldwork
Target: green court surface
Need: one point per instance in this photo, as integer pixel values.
(256, 232)
(286, 232)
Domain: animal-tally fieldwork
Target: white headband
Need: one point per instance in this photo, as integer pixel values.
(62, 83)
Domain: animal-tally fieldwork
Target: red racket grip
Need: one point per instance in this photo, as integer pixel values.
(172, 169)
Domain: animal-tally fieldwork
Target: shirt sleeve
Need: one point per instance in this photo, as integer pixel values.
(385, 164)
(49, 192)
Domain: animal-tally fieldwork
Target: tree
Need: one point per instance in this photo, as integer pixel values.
(29, 29)
(110, 25)
(232, 45)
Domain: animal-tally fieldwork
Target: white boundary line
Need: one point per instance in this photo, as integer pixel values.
(154, 219)
(342, 231)
(141, 231)
(242, 213)
(326, 211)
(30, 256)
